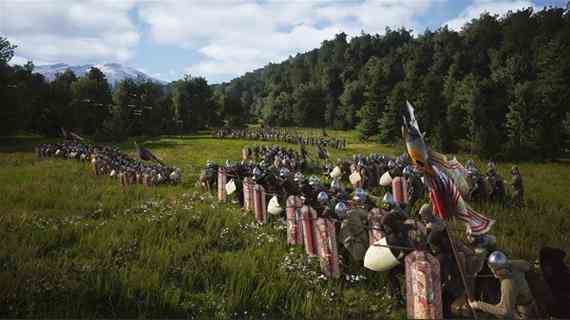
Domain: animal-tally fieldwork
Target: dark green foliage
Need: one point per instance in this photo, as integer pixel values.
(477, 90)
(391, 120)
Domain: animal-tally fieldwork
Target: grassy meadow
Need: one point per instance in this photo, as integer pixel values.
(76, 245)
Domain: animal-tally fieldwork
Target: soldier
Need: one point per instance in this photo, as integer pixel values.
(516, 298)
(396, 233)
(518, 189)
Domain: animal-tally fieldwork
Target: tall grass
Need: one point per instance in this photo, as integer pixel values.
(75, 245)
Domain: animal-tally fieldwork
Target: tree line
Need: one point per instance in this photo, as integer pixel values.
(500, 87)
(89, 105)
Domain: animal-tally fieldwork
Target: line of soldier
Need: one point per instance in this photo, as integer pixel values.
(362, 218)
(280, 135)
(111, 161)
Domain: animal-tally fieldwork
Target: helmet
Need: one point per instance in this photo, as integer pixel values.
(322, 197)
(407, 171)
(469, 163)
(210, 163)
(299, 177)
(335, 184)
(284, 172)
(515, 169)
(497, 260)
(426, 212)
(314, 180)
(257, 173)
(340, 209)
(228, 163)
(359, 194)
(388, 200)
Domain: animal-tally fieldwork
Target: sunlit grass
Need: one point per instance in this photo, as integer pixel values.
(76, 245)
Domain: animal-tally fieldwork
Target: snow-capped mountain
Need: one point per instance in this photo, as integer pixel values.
(113, 71)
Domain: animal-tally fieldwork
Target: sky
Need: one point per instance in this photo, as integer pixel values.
(215, 39)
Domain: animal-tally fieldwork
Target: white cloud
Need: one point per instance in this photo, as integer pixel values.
(234, 37)
(478, 7)
(70, 31)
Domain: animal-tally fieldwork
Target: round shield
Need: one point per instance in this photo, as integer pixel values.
(336, 172)
(273, 206)
(379, 257)
(386, 179)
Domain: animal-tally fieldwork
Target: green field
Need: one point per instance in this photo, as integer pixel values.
(76, 245)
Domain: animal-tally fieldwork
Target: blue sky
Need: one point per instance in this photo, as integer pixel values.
(216, 39)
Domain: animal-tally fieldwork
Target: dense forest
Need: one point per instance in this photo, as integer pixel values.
(500, 87)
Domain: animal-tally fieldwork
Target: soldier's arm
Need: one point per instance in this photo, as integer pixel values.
(506, 306)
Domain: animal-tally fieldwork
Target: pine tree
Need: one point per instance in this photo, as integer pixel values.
(391, 121)
(375, 95)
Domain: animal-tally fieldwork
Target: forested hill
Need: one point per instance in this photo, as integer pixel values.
(499, 87)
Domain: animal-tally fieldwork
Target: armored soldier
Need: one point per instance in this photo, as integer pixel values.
(517, 184)
(516, 298)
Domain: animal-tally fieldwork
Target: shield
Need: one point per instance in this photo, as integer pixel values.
(328, 251)
(386, 179)
(274, 207)
(248, 194)
(379, 257)
(294, 229)
(259, 206)
(423, 286)
(230, 187)
(400, 190)
(336, 172)
(308, 216)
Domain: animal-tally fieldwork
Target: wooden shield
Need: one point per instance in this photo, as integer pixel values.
(328, 254)
(259, 205)
(308, 216)
(423, 286)
(294, 229)
(400, 190)
(248, 194)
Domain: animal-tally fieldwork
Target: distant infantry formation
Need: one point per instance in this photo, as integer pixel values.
(280, 135)
(110, 161)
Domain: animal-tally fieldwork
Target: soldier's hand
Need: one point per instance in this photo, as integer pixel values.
(473, 304)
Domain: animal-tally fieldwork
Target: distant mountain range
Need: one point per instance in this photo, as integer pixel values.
(114, 72)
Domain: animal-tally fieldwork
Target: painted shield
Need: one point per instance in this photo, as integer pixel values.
(248, 194)
(308, 216)
(400, 190)
(423, 286)
(328, 254)
(294, 229)
(259, 205)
